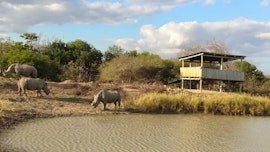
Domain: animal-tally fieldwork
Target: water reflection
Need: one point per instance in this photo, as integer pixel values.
(136, 132)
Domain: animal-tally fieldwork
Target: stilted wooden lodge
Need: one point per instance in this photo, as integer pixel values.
(206, 66)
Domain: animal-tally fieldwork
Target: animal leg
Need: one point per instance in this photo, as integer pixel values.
(20, 91)
(115, 105)
(19, 87)
(104, 106)
(24, 91)
(38, 93)
(119, 104)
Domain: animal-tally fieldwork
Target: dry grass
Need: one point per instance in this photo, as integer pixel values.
(5, 106)
(225, 104)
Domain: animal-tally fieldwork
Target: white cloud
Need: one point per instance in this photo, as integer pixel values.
(264, 3)
(263, 35)
(242, 36)
(18, 16)
(3, 36)
(209, 2)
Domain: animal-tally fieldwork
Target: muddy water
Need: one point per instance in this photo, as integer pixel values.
(136, 133)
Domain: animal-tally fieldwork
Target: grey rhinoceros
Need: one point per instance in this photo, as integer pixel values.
(107, 96)
(21, 69)
(26, 83)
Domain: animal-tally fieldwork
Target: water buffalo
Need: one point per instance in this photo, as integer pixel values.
(26, 83)
(21, 69)
(106, 96)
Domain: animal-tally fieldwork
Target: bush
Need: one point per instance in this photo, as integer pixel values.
(143, 68)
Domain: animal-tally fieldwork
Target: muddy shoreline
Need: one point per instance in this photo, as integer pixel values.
(66, 99)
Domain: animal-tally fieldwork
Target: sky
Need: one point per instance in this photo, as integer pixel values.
(162, 27)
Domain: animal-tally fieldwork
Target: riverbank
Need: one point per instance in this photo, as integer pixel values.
(73, 99)
(66, 99)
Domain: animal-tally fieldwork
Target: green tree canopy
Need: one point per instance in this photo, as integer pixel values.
(113, 52)
(253, 76)
(30, 39)
(46, 68)
(79, 59)
(250, 71)
(132, 53)
(57, 51)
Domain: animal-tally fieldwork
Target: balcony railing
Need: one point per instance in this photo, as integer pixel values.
(207, 73)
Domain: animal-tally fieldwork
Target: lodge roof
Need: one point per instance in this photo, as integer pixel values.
(210, 57)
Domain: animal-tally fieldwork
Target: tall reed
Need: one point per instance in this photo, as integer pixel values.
(225, 104)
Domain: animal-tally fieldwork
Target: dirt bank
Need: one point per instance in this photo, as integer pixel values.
(66, 99)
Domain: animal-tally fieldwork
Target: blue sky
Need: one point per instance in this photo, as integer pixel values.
(159, 26)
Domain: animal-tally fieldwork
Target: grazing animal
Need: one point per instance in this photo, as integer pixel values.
(21, 69)
(106, 96)
(26, 83)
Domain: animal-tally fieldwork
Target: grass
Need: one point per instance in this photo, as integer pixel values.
(5, 106)
(224, 104)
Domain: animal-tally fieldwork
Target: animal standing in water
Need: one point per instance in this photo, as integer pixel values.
(107, 96)
(21, 69)
(32, 84)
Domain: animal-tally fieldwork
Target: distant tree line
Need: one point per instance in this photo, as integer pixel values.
(80, 61)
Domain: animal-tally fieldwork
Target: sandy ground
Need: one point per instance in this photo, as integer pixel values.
(66, 99)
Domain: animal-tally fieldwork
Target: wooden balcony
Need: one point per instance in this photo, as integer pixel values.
(207, 73)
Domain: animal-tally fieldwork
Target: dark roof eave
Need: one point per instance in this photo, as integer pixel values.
(213, 56)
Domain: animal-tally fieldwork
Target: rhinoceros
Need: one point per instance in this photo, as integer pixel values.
(106, 96)
(26, 83)
(21, 69)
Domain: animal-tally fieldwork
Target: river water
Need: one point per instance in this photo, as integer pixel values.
(141, 132)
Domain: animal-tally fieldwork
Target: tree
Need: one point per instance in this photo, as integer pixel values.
(213, 46)
(30, 38)
(5, 45)
(132, 53)
(85, 58)
(79, 60)
(46, 68)
(253, 76)
(57, 51)
(113, 52)
(90, 61)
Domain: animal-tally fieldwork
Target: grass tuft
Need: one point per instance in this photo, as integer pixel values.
(225, 104)
(4, 106)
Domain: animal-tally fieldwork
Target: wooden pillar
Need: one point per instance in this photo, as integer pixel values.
(182, 80)
(201, 60)
(189, 79)
(241, 69)
(201, 84)
(221, 68)
(201, 73)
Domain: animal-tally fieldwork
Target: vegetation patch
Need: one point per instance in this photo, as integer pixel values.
(225, 104)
